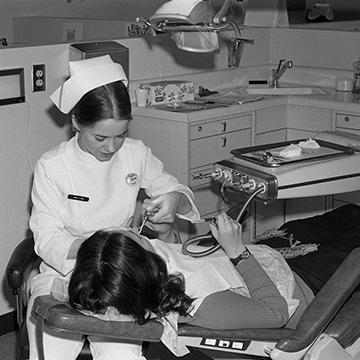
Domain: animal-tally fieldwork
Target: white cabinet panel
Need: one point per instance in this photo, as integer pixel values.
(309, 118)
(215, 148)
(348, 123)
(270, 137)
(269, 119)
(295, 134)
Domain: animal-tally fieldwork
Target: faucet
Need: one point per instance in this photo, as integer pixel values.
(279, 71)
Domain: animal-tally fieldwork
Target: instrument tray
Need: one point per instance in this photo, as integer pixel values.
(269, 154)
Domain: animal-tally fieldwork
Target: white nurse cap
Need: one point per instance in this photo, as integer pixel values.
(86, 75)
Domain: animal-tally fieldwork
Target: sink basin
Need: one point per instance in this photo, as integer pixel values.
(286, 91)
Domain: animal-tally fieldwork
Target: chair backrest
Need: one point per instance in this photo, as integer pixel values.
(325, 306)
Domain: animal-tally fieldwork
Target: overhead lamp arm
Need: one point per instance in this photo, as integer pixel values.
(220, 16)
(202, 18)
(166, 26)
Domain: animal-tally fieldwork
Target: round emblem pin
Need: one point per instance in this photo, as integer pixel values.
(131, 179)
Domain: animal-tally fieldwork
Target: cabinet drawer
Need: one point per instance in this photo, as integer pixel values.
(348, 121)
(219, 126)
(215, 148)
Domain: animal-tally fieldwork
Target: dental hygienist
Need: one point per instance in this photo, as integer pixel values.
(90, 183)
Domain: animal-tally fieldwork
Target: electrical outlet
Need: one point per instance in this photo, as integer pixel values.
(38, 77)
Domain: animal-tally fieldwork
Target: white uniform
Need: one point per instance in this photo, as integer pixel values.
(75, 195)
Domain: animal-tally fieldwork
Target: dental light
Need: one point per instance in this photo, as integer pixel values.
(194, 26)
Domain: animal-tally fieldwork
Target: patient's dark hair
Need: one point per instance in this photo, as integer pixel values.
(113, 270)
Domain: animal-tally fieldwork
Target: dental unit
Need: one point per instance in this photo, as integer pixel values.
(330, 166)
(332, 169)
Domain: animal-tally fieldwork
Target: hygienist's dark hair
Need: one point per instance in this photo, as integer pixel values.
(109, 101)
(113, 270)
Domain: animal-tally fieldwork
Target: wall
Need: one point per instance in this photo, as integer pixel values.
(90, 9)
(338, 5)
(29, 129)
(319, 56)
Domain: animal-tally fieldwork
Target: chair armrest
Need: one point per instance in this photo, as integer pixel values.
(261, 334)
(61, 317)
(345, 327)
(325, 305)
(22, 261)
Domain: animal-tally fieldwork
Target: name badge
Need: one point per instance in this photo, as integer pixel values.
(132, 179)
(78, 197)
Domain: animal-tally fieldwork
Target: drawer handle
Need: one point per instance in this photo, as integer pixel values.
(346, 118)
(223, 141)
(224, 125)
(199, 128)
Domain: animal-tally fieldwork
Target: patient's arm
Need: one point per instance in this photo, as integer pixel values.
(266, 308)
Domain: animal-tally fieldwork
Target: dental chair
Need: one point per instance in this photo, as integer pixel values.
(329, 329)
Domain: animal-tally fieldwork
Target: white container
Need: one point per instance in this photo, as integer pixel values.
(344, 84)
(141, 97)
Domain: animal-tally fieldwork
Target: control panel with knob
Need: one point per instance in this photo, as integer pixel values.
(244, 179)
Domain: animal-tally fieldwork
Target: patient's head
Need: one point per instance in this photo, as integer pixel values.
(113, 269)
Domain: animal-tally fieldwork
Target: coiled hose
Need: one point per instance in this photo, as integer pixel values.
(211, 250)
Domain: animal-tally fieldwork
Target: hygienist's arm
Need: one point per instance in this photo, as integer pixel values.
(159, 185)
(52, 241)
(74, 248)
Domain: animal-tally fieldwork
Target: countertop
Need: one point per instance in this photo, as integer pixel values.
(333, 100)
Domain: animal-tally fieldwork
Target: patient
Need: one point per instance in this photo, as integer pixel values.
(144, 278)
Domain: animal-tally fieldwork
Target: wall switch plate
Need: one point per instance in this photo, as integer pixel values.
(38, 77)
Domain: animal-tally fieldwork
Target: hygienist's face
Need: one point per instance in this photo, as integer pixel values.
(103, 139)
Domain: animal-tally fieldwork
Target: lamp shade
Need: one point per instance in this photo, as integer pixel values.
(187, 11)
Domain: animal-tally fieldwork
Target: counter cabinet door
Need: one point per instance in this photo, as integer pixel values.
(215, 148)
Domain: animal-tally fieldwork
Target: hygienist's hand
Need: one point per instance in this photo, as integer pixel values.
(228, 234)
(163, 206)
